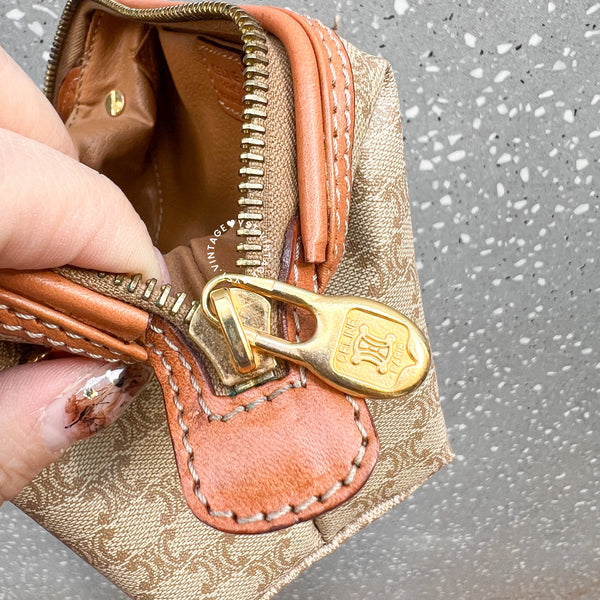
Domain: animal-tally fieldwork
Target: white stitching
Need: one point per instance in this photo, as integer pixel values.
(70, 334)
(57, 343)
(87, 60)
(318, 26)
(258, 401)
(260, 516)
(160, 198)
(203, 46)
(347, 118)
(238, 409)
(184, 428)
(335, 128)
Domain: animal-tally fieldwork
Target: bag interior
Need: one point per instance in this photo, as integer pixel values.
(175, 148)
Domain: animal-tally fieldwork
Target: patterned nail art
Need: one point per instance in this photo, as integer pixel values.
(103, 397)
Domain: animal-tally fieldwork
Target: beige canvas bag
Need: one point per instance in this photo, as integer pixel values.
(254, 142)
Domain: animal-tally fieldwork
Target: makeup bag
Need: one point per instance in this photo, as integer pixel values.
(294, 400)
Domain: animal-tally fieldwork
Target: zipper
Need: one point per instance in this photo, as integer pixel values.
(176, 307)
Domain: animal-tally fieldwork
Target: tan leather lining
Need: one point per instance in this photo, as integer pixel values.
(174, 150)
(195, 71)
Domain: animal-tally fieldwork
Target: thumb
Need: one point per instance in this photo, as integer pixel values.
(47, 406)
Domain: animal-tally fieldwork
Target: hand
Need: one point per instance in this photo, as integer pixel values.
(55, 211)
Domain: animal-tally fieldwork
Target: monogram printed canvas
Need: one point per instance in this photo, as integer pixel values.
(116, 499)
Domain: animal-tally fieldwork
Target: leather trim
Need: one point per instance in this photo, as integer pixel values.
(337, 93)
(273, 456)
(336, 115)
(67, 92)
(310, 149)
(37, 324)
(121, 320)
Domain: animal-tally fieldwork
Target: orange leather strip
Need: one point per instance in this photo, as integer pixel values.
(37, 324)
(266, 458)
(107, 314)
(337, 93)
(310, 148)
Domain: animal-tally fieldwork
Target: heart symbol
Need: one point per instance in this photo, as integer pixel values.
(231, 223)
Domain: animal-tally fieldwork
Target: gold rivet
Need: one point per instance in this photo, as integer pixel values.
(114, 103)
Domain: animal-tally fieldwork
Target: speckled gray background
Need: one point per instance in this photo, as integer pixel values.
(501, 103)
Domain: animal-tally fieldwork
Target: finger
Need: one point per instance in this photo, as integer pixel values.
(46, 407)
(27, 111)
(56, 211)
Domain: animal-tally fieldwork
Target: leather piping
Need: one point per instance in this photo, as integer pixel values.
(337, 92)
(123, 321)
(310, 147)
(35, 323)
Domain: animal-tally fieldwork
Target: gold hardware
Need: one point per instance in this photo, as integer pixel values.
(235, 312)
(165, 292)
(248, 156)
(229, 320)
(250, 141)
(250, 202)
(359, 346)
(114, 103)
(249, 185)
(249, 233)
(179, 300)
(253, 128)
(248, 262)
(250, 247)
(150, 285)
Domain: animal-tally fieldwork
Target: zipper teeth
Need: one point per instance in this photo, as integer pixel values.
(254, 113)
(161, 300)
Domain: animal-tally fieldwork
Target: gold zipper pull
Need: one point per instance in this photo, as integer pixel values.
(359, 346)
(233, 330)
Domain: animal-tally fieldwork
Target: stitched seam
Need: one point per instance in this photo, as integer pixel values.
(318, 26)
(348, 120)
(159, 189)
(53, 342)
(70, 334)
(238, 409)
(260, 516)
(301, 382)
(84, 68)
(204, 46)
(232, 111)
(335, 130)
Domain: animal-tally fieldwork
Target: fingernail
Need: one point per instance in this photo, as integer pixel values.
(92, 403)
(164, 271)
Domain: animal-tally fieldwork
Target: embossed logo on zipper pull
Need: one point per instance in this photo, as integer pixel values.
(359, 346)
